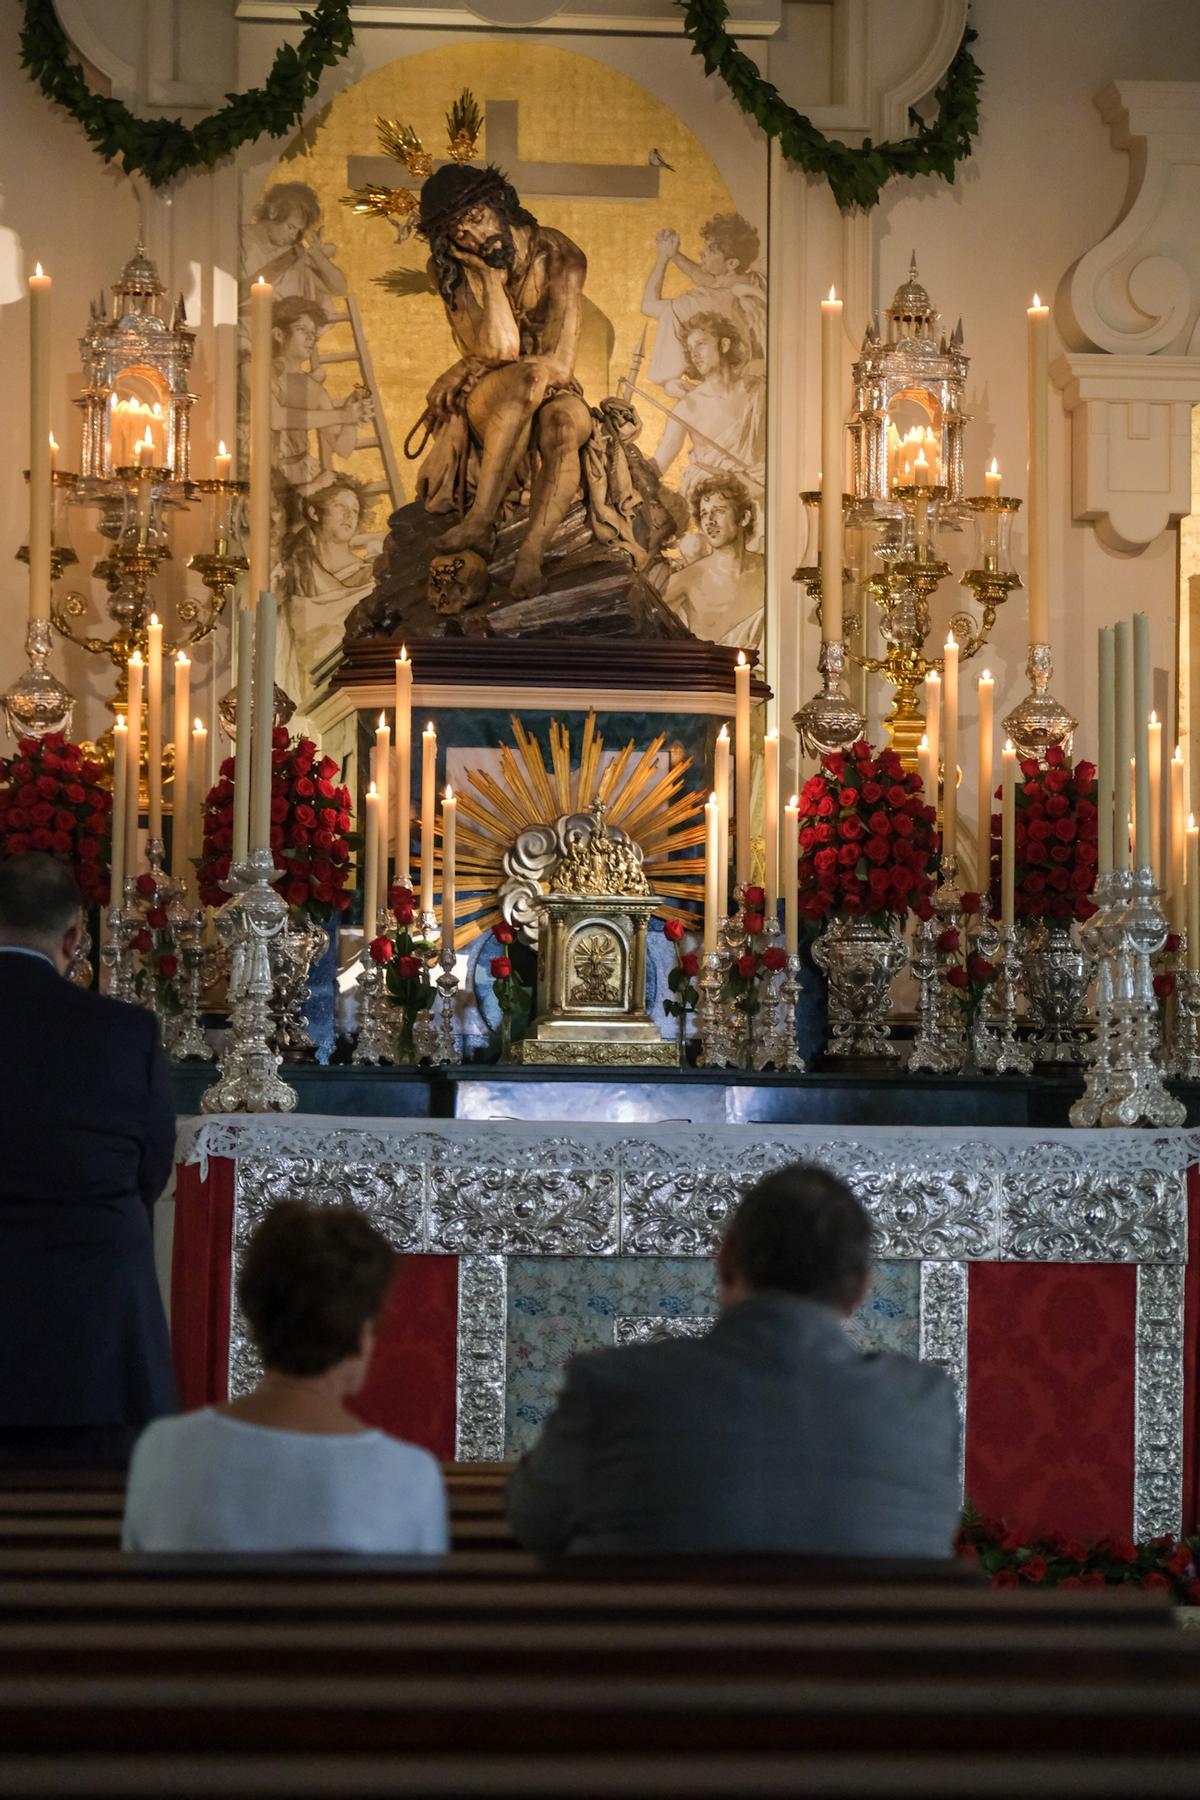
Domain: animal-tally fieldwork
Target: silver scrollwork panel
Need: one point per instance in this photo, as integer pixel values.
(944, 1289)
(1158, 1402)
(482, 1358)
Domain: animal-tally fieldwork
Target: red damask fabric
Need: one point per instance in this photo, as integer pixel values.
(1050, 1396)
(200, 1265)
(410, 1390)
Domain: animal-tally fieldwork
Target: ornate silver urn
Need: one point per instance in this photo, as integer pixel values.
(1057, 977)
(860, 960)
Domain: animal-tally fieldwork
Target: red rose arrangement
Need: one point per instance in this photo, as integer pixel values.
(682, 978)
(965, 970)
(51, 800)
(310, 830)
(514, 996)
(156, 947)
(1055, 1560)
(1056, 837)
(406, 959)
(743, 982)
(867, 838)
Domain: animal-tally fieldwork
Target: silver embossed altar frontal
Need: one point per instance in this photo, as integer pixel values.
(488, 1190)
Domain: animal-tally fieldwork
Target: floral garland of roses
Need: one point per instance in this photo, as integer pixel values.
(1167, 1563)
(1055, 838)
(310, 830)
(51, 800)
(866, 839)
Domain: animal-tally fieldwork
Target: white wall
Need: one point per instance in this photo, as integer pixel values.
(1043, 187)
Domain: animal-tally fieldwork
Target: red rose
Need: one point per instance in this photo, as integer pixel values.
(923, 908)
(89, 849)
(400, 894)
(326, 768)
(324, 840)
(75, 794)
(877, 849)
(501, 967)
(1004, 1578)
(326, 790)
(835, 762)
(145, 885)
(747, 965)
(752, 923)
(775, 959)
(279, 809)
(1064, 830)
(156, 918)
(142, 940)
(296, 892)
(168, 967)
(306, 816)
(1164, 986)
(382, 949)
(405, 914)
(504, 934)
(1173, 942)
(689, 963)
(872, 793)
(1033, 1569)
(754, 898)
(851, 829)
(1155, 1580)
(672, 931)
(848, 856)
(878, 881)
(896, 796)
(948, 941)
(1085, 774)
(1180, 1562)
(979, 969)
(1055, 756)
(902, 825)
(825, 862)
(1056, 806)
(826, 806)
(812, 790)
(971, 904)
(957, 976)
(848, 796)
(408, 966)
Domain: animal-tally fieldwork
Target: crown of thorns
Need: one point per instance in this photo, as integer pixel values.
(464, 122)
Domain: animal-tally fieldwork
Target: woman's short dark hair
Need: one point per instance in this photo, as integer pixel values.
(801, 1231)
(311, 1279)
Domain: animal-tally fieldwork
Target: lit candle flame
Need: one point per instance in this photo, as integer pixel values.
(795, 800)
(53, 444)
(723, 733)
(833, 296)
(136, 658)
(182, 661)
(1191, 822)
(1153, 716)
(383, 721)
(372, 792)
(38, 270)
(1008, 747)
(1036, 301)
(449, 792)
(741, 657)
(198, 726)
(221, 450)
(774, 732)
(1178, 756)
(994, 470)
(154, 618)
(986, 676)
(404, 653)
(924, 743)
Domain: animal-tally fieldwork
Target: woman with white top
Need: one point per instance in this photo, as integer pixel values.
(289, 1467)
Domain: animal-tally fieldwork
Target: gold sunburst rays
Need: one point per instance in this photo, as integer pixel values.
(652, 804)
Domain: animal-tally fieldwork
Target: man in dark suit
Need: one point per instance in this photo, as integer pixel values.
(771, 1434)
(86, 1149)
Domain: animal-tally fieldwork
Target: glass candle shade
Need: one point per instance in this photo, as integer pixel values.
(993, 516)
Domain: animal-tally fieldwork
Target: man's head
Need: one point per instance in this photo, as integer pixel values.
(723, 510)
(728, 244)
(469, 212)
(711, 342)
(39, 907)
(798, 1231)
(288, 210)
(296, 324)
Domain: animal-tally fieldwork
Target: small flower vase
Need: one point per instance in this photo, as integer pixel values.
(859, 959)
(1057, 977)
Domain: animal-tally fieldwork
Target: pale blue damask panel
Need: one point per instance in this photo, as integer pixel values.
(561, 1305)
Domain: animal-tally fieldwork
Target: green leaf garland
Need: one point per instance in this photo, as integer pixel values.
(856, 176)
(161, 149)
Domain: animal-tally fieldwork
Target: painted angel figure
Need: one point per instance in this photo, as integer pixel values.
(723, 281)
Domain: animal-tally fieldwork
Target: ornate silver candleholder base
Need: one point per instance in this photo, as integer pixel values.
(1040, 720)
(940, 1045)
(1057, 974)
(997, 1047)
(1128, 1086)
(186, 1041)
(778, 1041)
(116, 954)
(375, 1044)
(830, 720)
(249, 1079)
(860, 961)
(37, 702)
(712, 1013)
(293, 954)
(445, 1047)
(1185, 1033)
(1101, 938)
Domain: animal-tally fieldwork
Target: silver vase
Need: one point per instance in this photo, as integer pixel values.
(859, 960)
(1057, 977)
(293, 954)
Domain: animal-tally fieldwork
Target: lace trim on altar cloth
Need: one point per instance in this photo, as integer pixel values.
(467, 1187)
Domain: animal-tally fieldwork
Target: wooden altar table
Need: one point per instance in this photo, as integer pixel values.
(1048, 1271)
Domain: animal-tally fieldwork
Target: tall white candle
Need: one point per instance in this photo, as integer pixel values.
(1122, 743)
(40, 484)
(925, 770)
(950, 747)
(791, 880)
(371, 865)
(712, 857)
(264, 721)
(1106, 661)
(771, 819)
(120, 808)
(1177, 903)
(428, 813)
(1038, 317)
(1008, 834)
(383, 786)
(262, 299)
(1157, 861)
(133, 714)
(721, 784)
(154, 734)
(832, 462)
(403, 783)
(933, 726)
(222, 464)
(1141, 739)
(987, 699)
(244, 726)
(449, 854)
(181, 820)
(198, 785)
(991, 481)
(1193, 894)
(742, 769)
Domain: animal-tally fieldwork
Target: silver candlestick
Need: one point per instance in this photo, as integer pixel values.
(249, 1079)
(830, 720)
(187, 1042)
(116, 954)
(1101, 937)
(1185, 1035)
(1139, 1096)
(940, 1045)
(999, 1049)
(376, 1041)
(711, 1023)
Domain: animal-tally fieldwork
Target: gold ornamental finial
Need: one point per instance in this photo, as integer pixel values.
(382, 203)
(600, 864)
(464, 122)
(402, 142)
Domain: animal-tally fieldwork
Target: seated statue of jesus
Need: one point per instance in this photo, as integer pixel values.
(510, 408)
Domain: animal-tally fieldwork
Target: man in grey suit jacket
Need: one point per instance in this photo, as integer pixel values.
(771, 1434)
